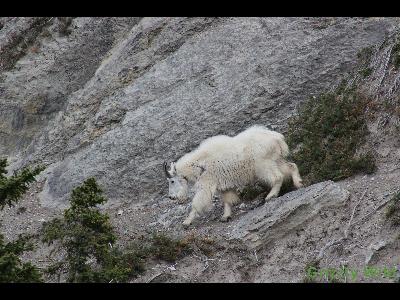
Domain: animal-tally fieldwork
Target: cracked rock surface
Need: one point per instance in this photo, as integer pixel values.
(281, 215)
(114, 98)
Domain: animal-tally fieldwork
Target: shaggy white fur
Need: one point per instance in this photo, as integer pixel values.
(225, 164)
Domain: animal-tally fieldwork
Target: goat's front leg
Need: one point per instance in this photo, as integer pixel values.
(201, 201)
(227, 212)
(229, 198)
(192, 215)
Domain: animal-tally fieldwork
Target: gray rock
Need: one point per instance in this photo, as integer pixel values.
(279, 216)
(373, 248)
(117, 97)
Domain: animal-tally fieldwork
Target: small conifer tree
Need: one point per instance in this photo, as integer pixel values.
(12, 188)
(87, 237)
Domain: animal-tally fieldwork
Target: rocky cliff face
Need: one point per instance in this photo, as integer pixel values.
(115, 97)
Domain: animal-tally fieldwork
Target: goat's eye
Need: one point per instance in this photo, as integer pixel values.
(172, 181)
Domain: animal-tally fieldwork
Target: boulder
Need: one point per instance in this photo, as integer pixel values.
(277, 217)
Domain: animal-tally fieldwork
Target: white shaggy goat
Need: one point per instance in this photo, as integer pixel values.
(225, 164)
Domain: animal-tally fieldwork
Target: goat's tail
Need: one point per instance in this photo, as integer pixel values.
(284, 147)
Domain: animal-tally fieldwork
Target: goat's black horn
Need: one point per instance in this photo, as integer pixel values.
(166, 170)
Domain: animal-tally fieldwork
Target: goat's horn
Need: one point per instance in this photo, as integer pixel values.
(166, 170)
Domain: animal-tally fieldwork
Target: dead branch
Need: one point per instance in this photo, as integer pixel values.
(352, 215)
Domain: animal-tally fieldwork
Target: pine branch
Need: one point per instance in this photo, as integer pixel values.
(12, 188)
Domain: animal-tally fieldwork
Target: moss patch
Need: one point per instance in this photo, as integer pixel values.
(326, 135)
(365, 72)
(167, 248)
(164, 247)
(250, 193)
(365, 54)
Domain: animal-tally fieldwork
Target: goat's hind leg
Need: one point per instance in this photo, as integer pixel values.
(229, 198)
(276, 187)
(297, 181)
(269, 172)
(286, 169)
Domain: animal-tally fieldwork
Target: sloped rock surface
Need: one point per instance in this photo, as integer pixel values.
(281, 215)
(164, 85)
(115, 97)
(43, 63)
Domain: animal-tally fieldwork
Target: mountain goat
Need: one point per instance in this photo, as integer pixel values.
(225, 164)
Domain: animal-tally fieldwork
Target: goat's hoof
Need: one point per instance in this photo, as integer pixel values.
(269, 198)
(225, 219)
(262, 202)
(299, 185)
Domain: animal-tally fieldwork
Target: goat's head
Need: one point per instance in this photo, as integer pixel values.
(178, 186)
